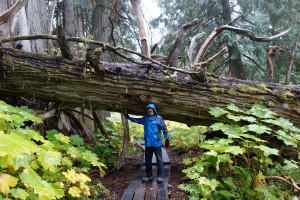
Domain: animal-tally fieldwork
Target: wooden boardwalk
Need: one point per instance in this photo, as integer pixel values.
(139, 190)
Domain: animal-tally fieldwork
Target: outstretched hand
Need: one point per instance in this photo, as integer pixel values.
(167, 143)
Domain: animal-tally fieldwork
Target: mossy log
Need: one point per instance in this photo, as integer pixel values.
(118, 87)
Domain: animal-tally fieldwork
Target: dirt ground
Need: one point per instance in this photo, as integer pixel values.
(117, 181)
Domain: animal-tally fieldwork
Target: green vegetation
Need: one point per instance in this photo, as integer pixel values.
(252, 161)
(33, 167)
(184, 138)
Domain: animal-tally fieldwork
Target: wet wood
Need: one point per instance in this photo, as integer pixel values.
(152, 190)
(116, 87)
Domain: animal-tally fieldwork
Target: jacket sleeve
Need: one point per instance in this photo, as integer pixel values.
(137, 120)
(163, 127)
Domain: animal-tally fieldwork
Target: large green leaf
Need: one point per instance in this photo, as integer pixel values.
(13, 144)
(50, 159)
(19, 193)
(223, 148)
(248, 136)
(260, 129)
(281, 122)
(221, 158)
(220, 126)
(287, 139)
(76, 140)
(261, 111)
(267, 150)
(62, 138)
(41, 187)
(217, 111)
(234, 108)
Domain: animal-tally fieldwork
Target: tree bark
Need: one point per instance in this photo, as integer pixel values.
(116, 87)
(145, 45)
(272, 52)
(37, 18)
(73, 25)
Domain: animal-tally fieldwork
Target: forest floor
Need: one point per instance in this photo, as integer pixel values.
(117, 181)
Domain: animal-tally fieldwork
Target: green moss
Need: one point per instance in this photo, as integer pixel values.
(247, 89)
(286, 95)
(263, 87)
(232, 92)
(217, 90)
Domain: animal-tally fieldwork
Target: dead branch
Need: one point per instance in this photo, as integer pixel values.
(292, 55)
(12, 10)
(239, 31)
(62, 42)
(224, 50)
(145, 46)
(272, 52)
(106, 46)
(293, 184)
(191, 48)
(173, 54)
(156, 44)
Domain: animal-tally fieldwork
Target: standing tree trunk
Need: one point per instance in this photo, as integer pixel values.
(23, 29)
(5, 27)
(73, 25)
(101, 27)
(36, 16)
(145, 48)
(101, 31)
(49, 22)
(125, 145)
(236, 67)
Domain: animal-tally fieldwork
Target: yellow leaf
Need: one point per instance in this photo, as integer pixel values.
(71, 176)
(85, 189)
(74, 191)
(7, 181)
(259, 180)
(83, 178)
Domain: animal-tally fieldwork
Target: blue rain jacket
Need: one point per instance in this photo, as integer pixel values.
(152, 128)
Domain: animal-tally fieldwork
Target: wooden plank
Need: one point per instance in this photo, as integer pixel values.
(151, 192)
(129, 192)
(163, 187)
(139, 193)
(165, 156)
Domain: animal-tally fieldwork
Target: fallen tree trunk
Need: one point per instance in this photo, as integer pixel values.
(116, 87)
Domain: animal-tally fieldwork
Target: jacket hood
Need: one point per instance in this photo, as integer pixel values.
(151, 106)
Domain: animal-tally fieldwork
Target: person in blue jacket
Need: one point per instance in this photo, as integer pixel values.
(153, 126)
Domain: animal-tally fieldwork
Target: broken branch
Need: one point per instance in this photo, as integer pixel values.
(173, 54)
(191, 49)
(239, 31)
(106, 46)
(224, 50)
(293, 184)
(12, 10)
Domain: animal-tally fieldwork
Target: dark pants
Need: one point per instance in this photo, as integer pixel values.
(148, 160)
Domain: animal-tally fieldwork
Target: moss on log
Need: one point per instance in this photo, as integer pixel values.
(116, 87)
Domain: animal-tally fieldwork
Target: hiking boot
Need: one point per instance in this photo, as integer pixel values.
(146, 179)
(159, 179)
